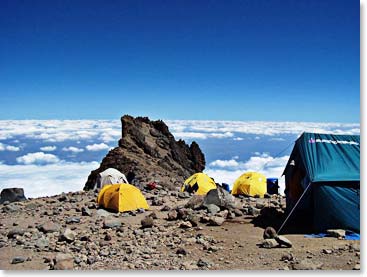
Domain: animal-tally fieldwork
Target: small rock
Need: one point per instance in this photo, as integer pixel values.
(254, 211)
(172, 215)
(181, 251)
(186, 225)
(327, 251)
(165, 208)
(269, 243)
(68, 235)
(147, 222)
(203, 263)
(50, 227)
(183, 195)
(103, 213)
(41, 243)
(86, 211)
(72, 219)
(140, 211)
(269, 233)
(153, 215)
(107, 237)
(64, 262)
(18, 260)
(283, 241)
(195, 202)
(238, 212)
(212, 209)
(216, 221)
(357, 267)
(287, 257)
(306, 265)
(111, 223)
(91, 260)
(15, 232)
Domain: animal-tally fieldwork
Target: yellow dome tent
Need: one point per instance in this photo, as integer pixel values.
(121, 198)
(251, 184)
(199, 183)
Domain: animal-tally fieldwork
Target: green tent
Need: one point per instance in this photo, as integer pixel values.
(323, 181)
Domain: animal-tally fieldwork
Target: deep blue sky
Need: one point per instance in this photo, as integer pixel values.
(233, 60)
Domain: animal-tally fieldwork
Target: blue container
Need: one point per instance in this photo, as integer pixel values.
(272, 185)
(225, 186)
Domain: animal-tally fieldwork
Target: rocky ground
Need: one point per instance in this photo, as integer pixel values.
(180, 232)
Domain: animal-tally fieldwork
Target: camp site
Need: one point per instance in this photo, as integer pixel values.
(310, 222)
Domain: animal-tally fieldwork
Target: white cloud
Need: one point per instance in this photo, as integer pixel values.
(237, 138)
(38, 158)
(46, 180)
(224, 163)
(4, 147)
(97, 147)
(277, 139)
(72, 149)
(48, 148)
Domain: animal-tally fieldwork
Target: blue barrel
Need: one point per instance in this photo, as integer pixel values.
(272, 185)
(225, 186)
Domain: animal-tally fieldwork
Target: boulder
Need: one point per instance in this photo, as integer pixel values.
(216, 221)
(63, 262)
(283, 241)
(12, 195)
(221, 198)
(212, 209)
(195, 202)
(269, 243)
(111, 223)
(269, 233)
(337, 233)
(147, 222)
(67, 235)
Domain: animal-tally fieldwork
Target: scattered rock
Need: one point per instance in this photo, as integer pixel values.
(68, 235)
(203, 263)
(216, 221)
(172, 215)
(18, 260)
(327, 251)
(12, 195)
(103, 213)
(41, 243)
(221, 198)
(283, 241)
(288, 257)
(72, 219)
(195, 202)
(181, 251)
(86, 211)
(49, 227)
(212, 209)
(357, 267)
(63, 262)
(147, 222)
(306, 265)
(112, 223)
(183, 195)
(186, 225)
(269, 243)
(15, 232)
(269, 233)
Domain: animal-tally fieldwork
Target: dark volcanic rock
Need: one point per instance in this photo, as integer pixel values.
(12, 195)
(149, 152)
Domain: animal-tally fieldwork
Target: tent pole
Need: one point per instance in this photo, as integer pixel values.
(293, 209)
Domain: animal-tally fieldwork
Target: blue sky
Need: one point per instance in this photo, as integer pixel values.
(221, 60)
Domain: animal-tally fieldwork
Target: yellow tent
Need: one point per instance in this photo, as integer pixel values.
(250, 183)
(199, 183)
(121, 198)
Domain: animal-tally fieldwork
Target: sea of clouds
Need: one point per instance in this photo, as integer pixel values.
(47, 157)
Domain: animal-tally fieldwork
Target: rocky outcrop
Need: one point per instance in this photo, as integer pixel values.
(148, 152)
(12, 195)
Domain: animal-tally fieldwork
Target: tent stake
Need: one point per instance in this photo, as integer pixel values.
(293, 209)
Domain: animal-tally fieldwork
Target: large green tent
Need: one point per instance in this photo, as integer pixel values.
(323, 181)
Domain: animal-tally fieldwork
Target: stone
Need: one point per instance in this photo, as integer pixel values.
(153, 215)
(147, 222)
(12, 195)
(112, 223)
(15, 232)
(86, 211)
(72, 219)
(216, 221)
(355, 247)
(165, 208)
(194, 220)
(68, 235)
(103, 213)
(203, 263)
(269, 233)
(283, 241)
(238, 212)
(269, 243)
(11, 208)
(327, 251)
(357, 267)
(49, 227)
(183, 195)
(307, 265)
(212, 209)
(172, 215)
(18, 260)
(288, 257)
(91, 260)
(186, 225)
(63, 262)
(221, 198)
(254, 211)
(337, 233)
(195, 202)
(41, 243)
(181, 251)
